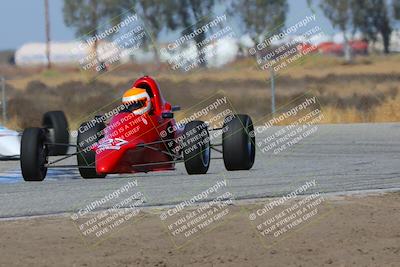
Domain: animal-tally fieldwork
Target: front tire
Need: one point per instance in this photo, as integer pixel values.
(196, 147)
(238, 142)
(86, 156)
(33, 154)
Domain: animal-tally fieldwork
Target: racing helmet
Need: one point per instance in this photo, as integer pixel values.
(137, 101)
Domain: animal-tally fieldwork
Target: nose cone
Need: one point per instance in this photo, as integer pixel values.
(124, 132)
(107, 161)
(101, 168)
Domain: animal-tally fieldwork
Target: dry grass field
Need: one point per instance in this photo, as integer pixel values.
(365, 91)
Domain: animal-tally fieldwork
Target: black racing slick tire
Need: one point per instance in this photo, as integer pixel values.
(33, 154)
(89, 135)
(57, 125)
(238, 142)
(196, 147)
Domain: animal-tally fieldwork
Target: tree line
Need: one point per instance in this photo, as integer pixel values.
(257, 18)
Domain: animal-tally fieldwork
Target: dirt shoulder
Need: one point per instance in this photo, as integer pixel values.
(345, 231)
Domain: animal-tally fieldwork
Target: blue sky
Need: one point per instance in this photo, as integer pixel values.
(22, 21)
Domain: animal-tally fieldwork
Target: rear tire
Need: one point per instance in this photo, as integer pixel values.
(196, 147)
(33, 154)
(57, 125)
(238, 142)
(87, 157)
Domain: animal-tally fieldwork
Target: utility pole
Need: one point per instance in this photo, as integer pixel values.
(47, 22)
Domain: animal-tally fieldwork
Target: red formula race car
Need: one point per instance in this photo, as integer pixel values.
(141, 135)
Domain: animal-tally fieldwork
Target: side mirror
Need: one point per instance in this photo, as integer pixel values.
(176, 108)
(167, 115)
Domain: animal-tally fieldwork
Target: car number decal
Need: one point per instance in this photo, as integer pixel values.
(112, 144)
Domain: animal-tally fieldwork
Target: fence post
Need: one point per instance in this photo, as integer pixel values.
(272, 72)
(3, 100)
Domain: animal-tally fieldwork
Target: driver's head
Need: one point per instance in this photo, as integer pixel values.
(137, 101)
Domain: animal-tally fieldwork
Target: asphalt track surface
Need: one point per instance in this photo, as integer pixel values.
(348, 157)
